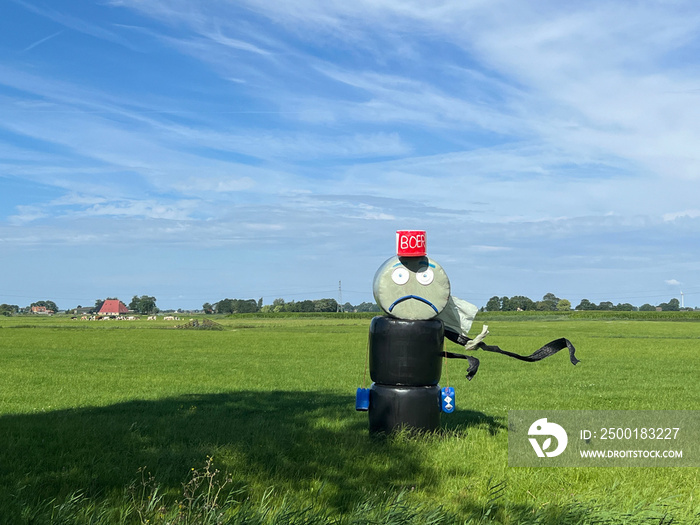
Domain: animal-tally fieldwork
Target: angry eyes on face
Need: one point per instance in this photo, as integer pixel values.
(401, 275)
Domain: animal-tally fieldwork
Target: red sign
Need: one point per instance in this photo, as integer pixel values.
(410, 243)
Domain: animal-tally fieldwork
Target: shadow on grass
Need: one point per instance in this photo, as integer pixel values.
(299, 441)
(306, 443)
(461, 419)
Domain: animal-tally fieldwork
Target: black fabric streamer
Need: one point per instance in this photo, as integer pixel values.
(473, 362)
(550, 348)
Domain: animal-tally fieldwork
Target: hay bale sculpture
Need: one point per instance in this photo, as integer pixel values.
(405, 353)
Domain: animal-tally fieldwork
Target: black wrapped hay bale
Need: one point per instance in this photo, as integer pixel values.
(403, 352)
(396, 407)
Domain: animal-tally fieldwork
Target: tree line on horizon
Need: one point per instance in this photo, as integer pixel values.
(146, 305)
(551, 302)
(279, 305)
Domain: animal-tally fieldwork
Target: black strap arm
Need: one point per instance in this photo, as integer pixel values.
(550, 348)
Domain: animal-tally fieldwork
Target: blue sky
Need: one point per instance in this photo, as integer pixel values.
(200, 150)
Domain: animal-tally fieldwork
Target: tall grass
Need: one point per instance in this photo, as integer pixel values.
(109, 423)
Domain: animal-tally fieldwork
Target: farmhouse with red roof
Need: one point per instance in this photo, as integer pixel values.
(113, 307)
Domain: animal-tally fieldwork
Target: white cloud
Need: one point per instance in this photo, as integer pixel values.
(692, 214)
(27, 214)
(237, 44)
(148, 209)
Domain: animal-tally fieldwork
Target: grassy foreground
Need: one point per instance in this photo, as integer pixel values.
(117, 422)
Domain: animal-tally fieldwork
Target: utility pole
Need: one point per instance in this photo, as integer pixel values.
(340, 298)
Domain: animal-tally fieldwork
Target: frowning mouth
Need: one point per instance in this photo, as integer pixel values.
(416, 297)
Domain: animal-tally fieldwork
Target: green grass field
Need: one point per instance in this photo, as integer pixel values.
(114, 422)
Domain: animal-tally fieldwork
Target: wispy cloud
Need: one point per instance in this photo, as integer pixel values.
(27, 214)
(147, 209)
(77, 23)
(42, 40)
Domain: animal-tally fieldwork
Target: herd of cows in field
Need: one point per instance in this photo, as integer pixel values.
(124, 318)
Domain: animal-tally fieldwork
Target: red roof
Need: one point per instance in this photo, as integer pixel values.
(113, 306)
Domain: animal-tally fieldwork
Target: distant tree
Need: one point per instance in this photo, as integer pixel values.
(325, 305)
(144, 305)
(367, 307)
(585, 304)
(505, 305)
(672, 306)
(548, 303)
(493, 304)
(564, 305)
(605, 305)
(8, 309)
(224, 306)
(148, 304)
(208, 308)
(241, 306)
(624, 307)
(646, 307)
(260, 303)
(347, 307)
(521, 302)
(245, 306)
(278, 302)
(305, 306)
(236, 306)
